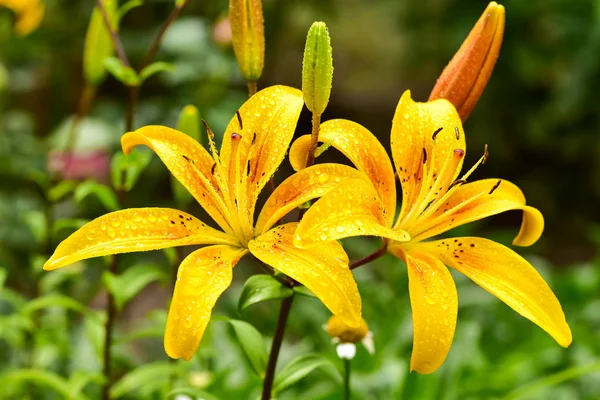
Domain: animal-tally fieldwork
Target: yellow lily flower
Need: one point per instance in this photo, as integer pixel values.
(29, 14)
(227, 187)
(428, 148)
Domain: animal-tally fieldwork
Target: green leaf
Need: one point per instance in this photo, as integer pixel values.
(80, 379)
(189, 123)
(253, 345)
(261, 288)
(36, 221)
(3, 276)
(126, 286)
(121, 72)
(303, 290)
(70, 224)
(297, 369)
(103, 193)
(50, 282)
(40, 377)
(57, 300)
(60, 190)
(125, 170)
(98, 43)
(146, 378)
(154, 68)
(180, 194)
(130, 5)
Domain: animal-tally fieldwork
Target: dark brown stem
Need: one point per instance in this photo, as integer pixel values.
(252, 88)
(159, 37)
(314, 139)
(111, 312)
(284, 312)
(113, 34)
(134, 93)
(373, 256)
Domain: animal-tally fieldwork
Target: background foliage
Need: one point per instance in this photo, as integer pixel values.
(539, 116)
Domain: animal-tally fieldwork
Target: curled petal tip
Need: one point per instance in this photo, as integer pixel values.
(463, 80)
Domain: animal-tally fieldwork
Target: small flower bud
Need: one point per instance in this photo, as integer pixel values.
(248, 36)
(189, 123)
(343, 333)
(317, 68)
(346, 351)
(98, 44)
(463, 80)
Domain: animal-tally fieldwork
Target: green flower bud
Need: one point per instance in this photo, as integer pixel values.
(317, 68)
(189, 123)
(98, 44)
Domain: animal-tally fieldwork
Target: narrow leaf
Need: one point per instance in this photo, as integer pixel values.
(121, 72)
(126, 170)
(126, 286)
(125, 8)
(98, 44)
(155, 68)
(103, 193)
(60, 190)
(252, 344)
(148, 377)
(297, 369)
(261, 288)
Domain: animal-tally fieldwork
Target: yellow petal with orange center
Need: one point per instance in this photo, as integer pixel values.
(202, 277)
(323, 269)
(434, 304)
(467, 74)
(480, 199)
(363, 149)
(189, 162)
(508, 276)
(350, 209)
(301, 187)
(424, 136)
(133, 230)
(268, 121)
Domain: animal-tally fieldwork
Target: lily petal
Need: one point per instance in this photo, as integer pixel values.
(133, 230)
(481, 199)
(350, 209)
(363, 149)
(29, 13)
(424, 135)
(268, 123)
(323, 269)
(509, 277)
(301, 187)
(434, 304)
(202, 277)
(188, 161)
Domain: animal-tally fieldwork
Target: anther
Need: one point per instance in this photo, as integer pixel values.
(459, 152)
(254, 138)
(438, 130)
(186, 158)
(424, 155)
(235, 136)
(456, 183)
(457, 132)
(212, 169)
(239, 117)
(495, 186)
(485, 154)
(248, 168)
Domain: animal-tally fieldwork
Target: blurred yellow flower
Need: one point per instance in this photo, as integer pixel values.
(428, 147)
(29, 14)
(227, 186)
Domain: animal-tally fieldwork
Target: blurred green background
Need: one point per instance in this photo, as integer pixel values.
(539, 115)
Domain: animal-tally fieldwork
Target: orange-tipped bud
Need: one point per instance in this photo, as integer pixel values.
(467, 74)
(248, 36)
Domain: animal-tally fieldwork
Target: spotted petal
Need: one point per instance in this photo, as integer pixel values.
(508, 276)
(133, 230)
(424, 135)
(480, 199)
(434, 304)
(301, 187)
(202, 277)
(363, 149)
(350, 209)
(188, 161)
(323, 269)
(268, 123)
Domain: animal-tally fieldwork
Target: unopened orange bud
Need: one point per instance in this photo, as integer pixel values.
(248, 36)
(467, 74)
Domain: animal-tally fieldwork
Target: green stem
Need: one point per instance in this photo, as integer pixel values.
(347, 371)
(314, 139)
(111, 313)
(252, 88)
(284, 312)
